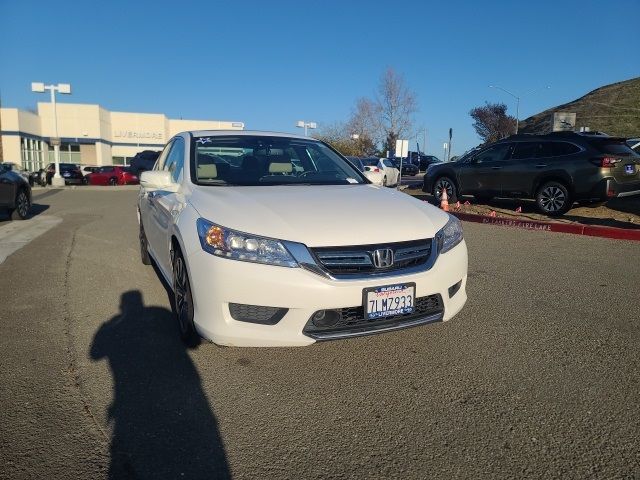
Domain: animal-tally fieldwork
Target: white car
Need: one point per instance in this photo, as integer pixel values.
(390, 173)
(261, 253)
(373, 173)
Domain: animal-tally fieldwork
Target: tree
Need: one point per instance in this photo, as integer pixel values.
(337, 136)
(395, 105)
(365, 125)
(492, 122)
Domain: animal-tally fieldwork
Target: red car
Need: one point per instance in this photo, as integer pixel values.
(113, 176)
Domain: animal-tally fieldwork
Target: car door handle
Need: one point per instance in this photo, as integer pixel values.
(496, 168)
(541, 165)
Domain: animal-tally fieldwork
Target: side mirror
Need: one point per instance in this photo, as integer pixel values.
(158, 180)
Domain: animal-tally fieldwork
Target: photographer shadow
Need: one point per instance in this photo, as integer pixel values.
(163, 426)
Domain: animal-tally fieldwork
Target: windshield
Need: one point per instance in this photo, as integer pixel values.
(262, 160)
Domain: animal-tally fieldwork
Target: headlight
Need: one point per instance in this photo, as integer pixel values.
(227, 243)
(450, 235)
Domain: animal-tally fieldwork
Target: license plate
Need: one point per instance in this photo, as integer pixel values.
(380, 302)
(629, 169)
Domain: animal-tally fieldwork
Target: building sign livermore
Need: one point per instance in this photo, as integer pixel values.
(131, 134)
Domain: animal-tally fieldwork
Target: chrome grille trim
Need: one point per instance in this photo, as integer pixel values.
(310, 259)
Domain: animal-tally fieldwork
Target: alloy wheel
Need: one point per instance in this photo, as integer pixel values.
(552, 199)
(182, 294)
(22, 205)
(441, 185)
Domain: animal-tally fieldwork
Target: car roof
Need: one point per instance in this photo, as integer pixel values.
(527, 137)
(241, 133)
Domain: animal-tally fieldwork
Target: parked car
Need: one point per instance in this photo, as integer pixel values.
(143, 161)
(373, 173)
(86, 170)
(259, 253)
(408, 168)
(422, 160)
(14, 167)
(390, 173)
(15, 193)
(554, 169)
(112, 175)
(69, 171)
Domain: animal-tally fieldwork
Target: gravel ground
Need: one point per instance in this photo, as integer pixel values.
(619, 212)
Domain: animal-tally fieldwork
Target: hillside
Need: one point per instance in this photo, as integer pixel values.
(613, 109)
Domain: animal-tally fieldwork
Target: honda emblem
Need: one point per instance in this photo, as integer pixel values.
(383, 258)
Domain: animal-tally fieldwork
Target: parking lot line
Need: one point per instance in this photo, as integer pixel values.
(15, 235)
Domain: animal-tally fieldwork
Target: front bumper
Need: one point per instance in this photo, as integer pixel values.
(217, 282)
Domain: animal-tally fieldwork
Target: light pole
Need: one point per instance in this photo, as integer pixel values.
(517, 100)
(306, 125)
(63, 88)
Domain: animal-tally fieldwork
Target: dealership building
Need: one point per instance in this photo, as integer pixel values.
(89, 134)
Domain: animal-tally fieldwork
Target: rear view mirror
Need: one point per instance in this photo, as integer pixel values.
(158, 180)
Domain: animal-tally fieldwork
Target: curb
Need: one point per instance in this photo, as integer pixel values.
(574, 228)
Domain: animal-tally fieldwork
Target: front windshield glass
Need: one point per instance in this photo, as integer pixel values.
(262, 160)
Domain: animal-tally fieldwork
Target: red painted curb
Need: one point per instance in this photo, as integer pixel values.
(576, 229)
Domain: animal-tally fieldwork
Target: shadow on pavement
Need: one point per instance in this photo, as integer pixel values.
(163, 426)
(35, 210)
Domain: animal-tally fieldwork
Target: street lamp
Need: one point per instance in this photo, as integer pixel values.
(518, 100)
(63, 88)
(306, 125)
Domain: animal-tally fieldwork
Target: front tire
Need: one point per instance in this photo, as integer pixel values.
(445, 183)
(183, 301)
(21, 211)
(113, 182)
(553, 199)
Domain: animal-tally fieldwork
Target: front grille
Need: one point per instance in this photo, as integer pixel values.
(256, 313)
(353, 318)
(359, 259)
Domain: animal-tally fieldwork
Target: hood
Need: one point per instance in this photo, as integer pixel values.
(320, 215)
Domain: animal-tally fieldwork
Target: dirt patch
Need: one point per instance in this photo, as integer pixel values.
(618, 212)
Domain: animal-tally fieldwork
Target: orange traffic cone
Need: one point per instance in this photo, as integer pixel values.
(444, 200)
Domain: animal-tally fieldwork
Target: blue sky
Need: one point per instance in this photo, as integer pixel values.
(271, 63)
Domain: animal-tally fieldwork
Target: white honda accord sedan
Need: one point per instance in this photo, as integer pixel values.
(267, 239)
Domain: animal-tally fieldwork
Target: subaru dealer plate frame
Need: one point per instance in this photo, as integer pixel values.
(389, 300)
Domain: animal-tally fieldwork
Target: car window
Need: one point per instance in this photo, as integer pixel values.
(558, 149)
(175, 160)
(615, 147)
(496, 153)
(106, 169)
(388, 163)
(159, 165)
(524, 150)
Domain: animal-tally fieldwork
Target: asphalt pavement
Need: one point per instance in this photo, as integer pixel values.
(537, 377)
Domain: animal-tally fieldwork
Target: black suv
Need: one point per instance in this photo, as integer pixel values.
(143, 161)
(421, 160)
(554, 169)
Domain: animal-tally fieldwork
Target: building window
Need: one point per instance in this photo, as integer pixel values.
(32, 154)
(69, 153)
(124, 161)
